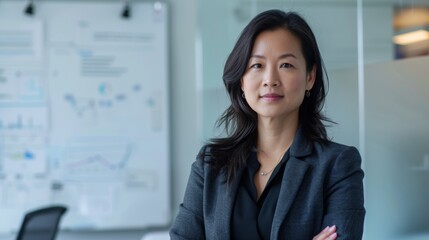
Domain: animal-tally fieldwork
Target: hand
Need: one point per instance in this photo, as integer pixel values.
(329, 233)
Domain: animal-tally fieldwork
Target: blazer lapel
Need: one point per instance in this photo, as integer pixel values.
(294, 172)
(226, 197)
(293, 176)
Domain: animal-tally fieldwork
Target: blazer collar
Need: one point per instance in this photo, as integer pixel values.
(301, 146)
(293, 176)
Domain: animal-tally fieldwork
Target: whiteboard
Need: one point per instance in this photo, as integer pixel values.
(84, 113)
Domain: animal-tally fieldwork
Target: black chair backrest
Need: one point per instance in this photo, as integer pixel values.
(41, 224)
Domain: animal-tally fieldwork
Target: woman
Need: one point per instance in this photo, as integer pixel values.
(276, 175)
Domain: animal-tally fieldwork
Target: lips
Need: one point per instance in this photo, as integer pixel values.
(271, 96)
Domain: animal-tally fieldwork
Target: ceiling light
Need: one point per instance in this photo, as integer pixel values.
(411, 37)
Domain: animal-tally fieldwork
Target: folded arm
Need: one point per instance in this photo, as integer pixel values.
(344, 196)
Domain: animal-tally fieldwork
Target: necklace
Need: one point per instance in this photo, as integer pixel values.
(263, 174)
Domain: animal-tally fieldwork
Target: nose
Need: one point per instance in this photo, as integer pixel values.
(271, 77)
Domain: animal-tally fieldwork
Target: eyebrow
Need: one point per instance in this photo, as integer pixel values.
(286, 55)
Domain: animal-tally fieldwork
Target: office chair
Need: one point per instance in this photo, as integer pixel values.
(41, 224)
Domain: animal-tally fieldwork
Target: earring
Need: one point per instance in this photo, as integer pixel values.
(307, 93)
(242, 95)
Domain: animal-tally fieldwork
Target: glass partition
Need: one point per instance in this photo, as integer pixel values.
(396, 113)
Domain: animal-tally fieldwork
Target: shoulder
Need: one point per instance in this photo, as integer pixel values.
(334, 155)
(204, 162)
(202, 159)
(205, 175)
(338, 159)
(204, 156)
(332, 149)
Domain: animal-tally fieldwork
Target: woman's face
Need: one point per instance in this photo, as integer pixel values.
(276, 78)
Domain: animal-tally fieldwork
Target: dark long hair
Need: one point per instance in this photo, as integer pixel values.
(230, 153)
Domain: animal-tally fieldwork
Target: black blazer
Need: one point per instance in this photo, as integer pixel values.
(321, 186)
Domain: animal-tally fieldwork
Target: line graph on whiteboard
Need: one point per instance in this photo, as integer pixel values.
(96, 160)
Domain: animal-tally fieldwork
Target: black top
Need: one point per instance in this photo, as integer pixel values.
(251, 217)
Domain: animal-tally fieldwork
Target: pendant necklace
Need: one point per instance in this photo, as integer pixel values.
(263, 174)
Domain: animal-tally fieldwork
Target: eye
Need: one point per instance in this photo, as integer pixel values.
(256, 65)
(286, 65)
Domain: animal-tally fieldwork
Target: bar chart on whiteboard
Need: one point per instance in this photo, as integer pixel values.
(84, 115)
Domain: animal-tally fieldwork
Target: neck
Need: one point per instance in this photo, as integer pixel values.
(275, 137)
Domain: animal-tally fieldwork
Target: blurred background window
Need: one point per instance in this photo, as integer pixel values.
(411, 25)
